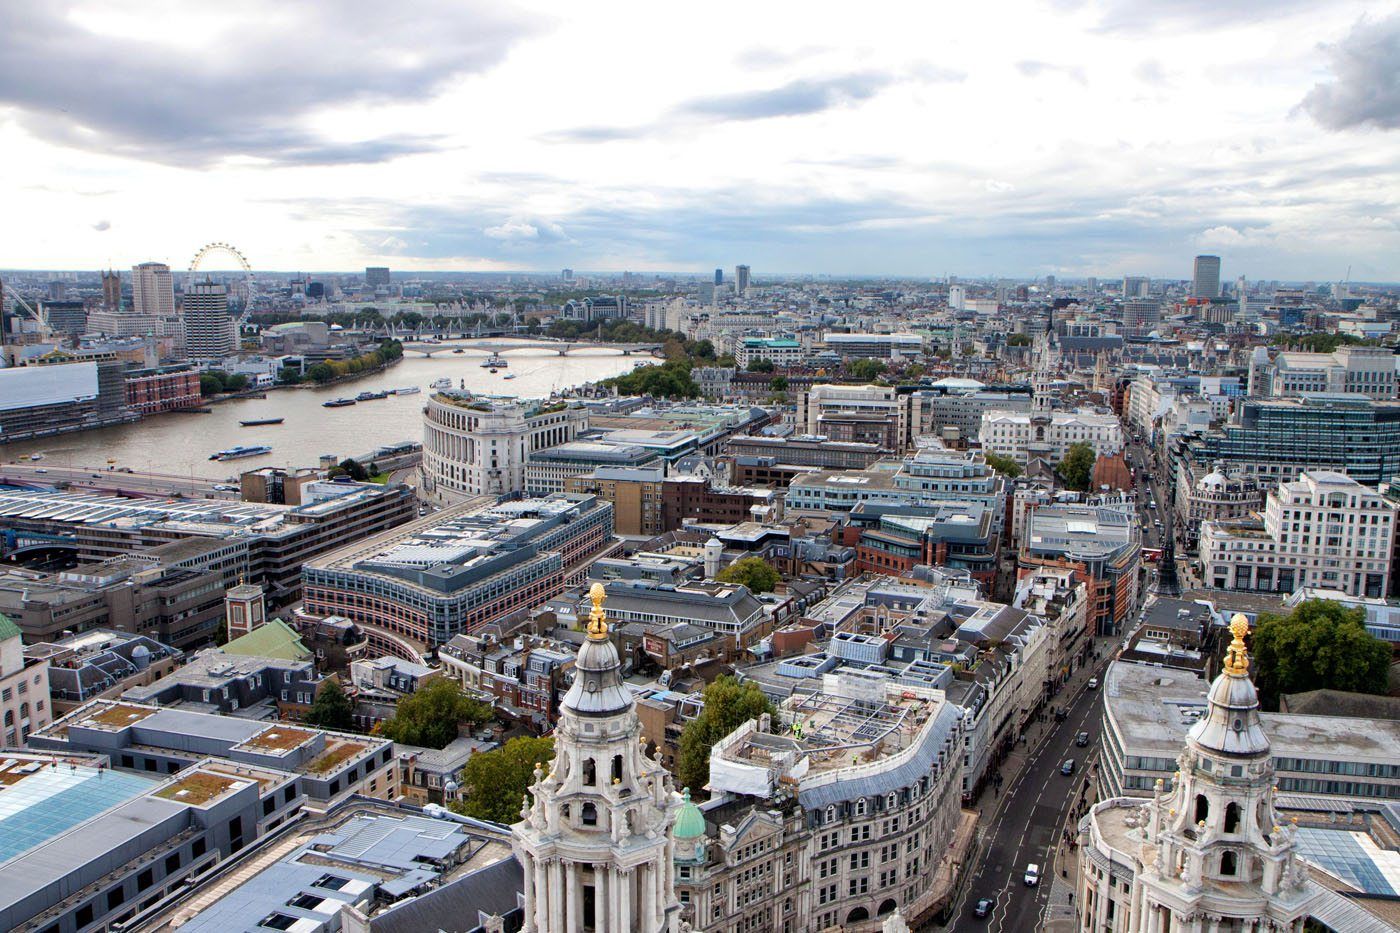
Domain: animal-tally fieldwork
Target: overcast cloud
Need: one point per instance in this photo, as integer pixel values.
(1079, 137)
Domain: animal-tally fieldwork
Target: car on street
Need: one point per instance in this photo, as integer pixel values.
(983, 907)
(1068, 767)
(1032, 875)
(1082, 739)
(225, 487)
(1093, 683)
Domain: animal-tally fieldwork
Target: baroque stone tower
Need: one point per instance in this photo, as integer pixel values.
(1208, 856)
(595, 835)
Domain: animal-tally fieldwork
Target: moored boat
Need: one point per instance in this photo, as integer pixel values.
(338, 403)
(252, 422)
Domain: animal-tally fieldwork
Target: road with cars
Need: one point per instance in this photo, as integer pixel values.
(39, 473)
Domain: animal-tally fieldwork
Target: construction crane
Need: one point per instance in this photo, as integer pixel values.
(40, 316)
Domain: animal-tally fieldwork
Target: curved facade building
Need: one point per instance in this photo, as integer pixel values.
(475, 447)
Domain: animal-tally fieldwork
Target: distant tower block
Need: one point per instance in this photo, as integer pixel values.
(244, 609)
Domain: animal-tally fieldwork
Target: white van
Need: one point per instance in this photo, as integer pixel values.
(1032, 875)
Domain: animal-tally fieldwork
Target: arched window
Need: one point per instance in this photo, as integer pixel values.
(1227, 864)
(857, 915)
(617, 768)
(589, 814)
(590, 772)
(9, 717)
(24, 711)
(860, 807)
(887, 906)
(831, 814)
(1232, 818)
(1202, 808)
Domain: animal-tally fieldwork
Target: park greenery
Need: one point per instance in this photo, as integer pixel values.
(332, 708)
(494, 783)
(1320, 342)
(1320, 645)
(728, 705)
(1077, 469)
(866, 370)
(761, 365)
(329, 370)
(432, 715)
(754, 572)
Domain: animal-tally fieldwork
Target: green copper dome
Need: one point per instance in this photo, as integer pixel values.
(690, 824)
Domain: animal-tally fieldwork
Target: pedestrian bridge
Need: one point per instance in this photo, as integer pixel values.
(502, 347)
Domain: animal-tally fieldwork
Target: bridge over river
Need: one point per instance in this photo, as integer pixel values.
(502, 347)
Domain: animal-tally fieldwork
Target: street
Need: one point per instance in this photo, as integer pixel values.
(1032, 813)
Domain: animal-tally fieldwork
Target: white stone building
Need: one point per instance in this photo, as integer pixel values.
(24, 689)
(1323, 529)
(474, 447)
(1023, 435)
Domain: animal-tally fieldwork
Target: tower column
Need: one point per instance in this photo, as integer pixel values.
(556, 900)
(574, 906)
(626, 888)
(527, 864)
(541, 915)
(648, 883)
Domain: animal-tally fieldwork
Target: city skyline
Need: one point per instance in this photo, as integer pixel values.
(530, 139)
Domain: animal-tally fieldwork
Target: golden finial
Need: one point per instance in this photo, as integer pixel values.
(597, 619)
(1237, 656)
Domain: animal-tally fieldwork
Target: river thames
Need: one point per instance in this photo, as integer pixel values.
(181, 443)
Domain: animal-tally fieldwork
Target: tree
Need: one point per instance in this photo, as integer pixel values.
(210, 384)
(866, 370)
(321, 372)
(352, 468)
(331, 709)
(728, 705)
(1320, 645)
(1078, 466)
(754, 572)
(778, 383)
(494, 782)
(1003, 465)
(431, 715)
(236, 383)
(760, 365)
(1018, 340)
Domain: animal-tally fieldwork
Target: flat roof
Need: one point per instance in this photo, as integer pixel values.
(42, 799)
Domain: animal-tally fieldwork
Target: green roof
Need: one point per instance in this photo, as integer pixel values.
(690, 823)
(8, 629)
(276, 639)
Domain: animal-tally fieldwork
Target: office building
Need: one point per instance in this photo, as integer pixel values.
(459, 569)
(376, 276)
(548, 469)
(210, 334)
(719, 277)
(867, 414)
(1276, 439)
(1136, 286)
(953, 412)
(152, 290)
(1149, 708)
(474, 447)
(68, 318)
(872, 825)
(1218, 496)
(1141, 316)
(1368, 371)
(874, 346)
(782, 352)
(1101, 545)
(741, 281)
(111, 290)
(1232, 864)
(729, 610)
(1321, 530)
(166, 388)
(1023, 435)
(1205, 277)
(100, 664)
(58, 398)
(267, 543)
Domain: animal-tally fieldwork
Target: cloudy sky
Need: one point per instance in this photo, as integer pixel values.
(1075, 137)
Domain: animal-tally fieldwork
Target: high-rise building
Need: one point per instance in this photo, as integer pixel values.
(1135, 286)
(376, 276)
(567, 275)
(595, 842)
(719, 276)
(152, 289)
(1140, 316)
(1205, 280)
(741, 280)
(111, 290)
(210, 334)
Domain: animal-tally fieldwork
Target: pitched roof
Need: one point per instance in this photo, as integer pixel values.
(8, 629)
(276, 639)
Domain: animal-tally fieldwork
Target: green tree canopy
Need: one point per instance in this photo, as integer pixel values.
(1003, 465)
(351, 468)
(866, 370)
(494, 782)
(321, 372)
(754, 572)
(1018, 340)
(778, 383)
(1078, 466)
(331, 709)
(1320, 645)
(761, 365)
(431, 715)
(728, 705)
(210, 384)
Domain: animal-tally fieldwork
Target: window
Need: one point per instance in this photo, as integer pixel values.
(1227, 864)
(278, 921)
(1232, 818)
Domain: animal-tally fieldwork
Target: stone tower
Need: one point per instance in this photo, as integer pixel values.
(1208, 855)
(595, 836)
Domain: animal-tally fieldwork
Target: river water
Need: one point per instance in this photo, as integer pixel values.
(180, 444)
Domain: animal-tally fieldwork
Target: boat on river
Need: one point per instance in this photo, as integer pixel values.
(254, 422)
(408, 390)
(495, 361)
(338, 403)
(443, 383)
(239, 452)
